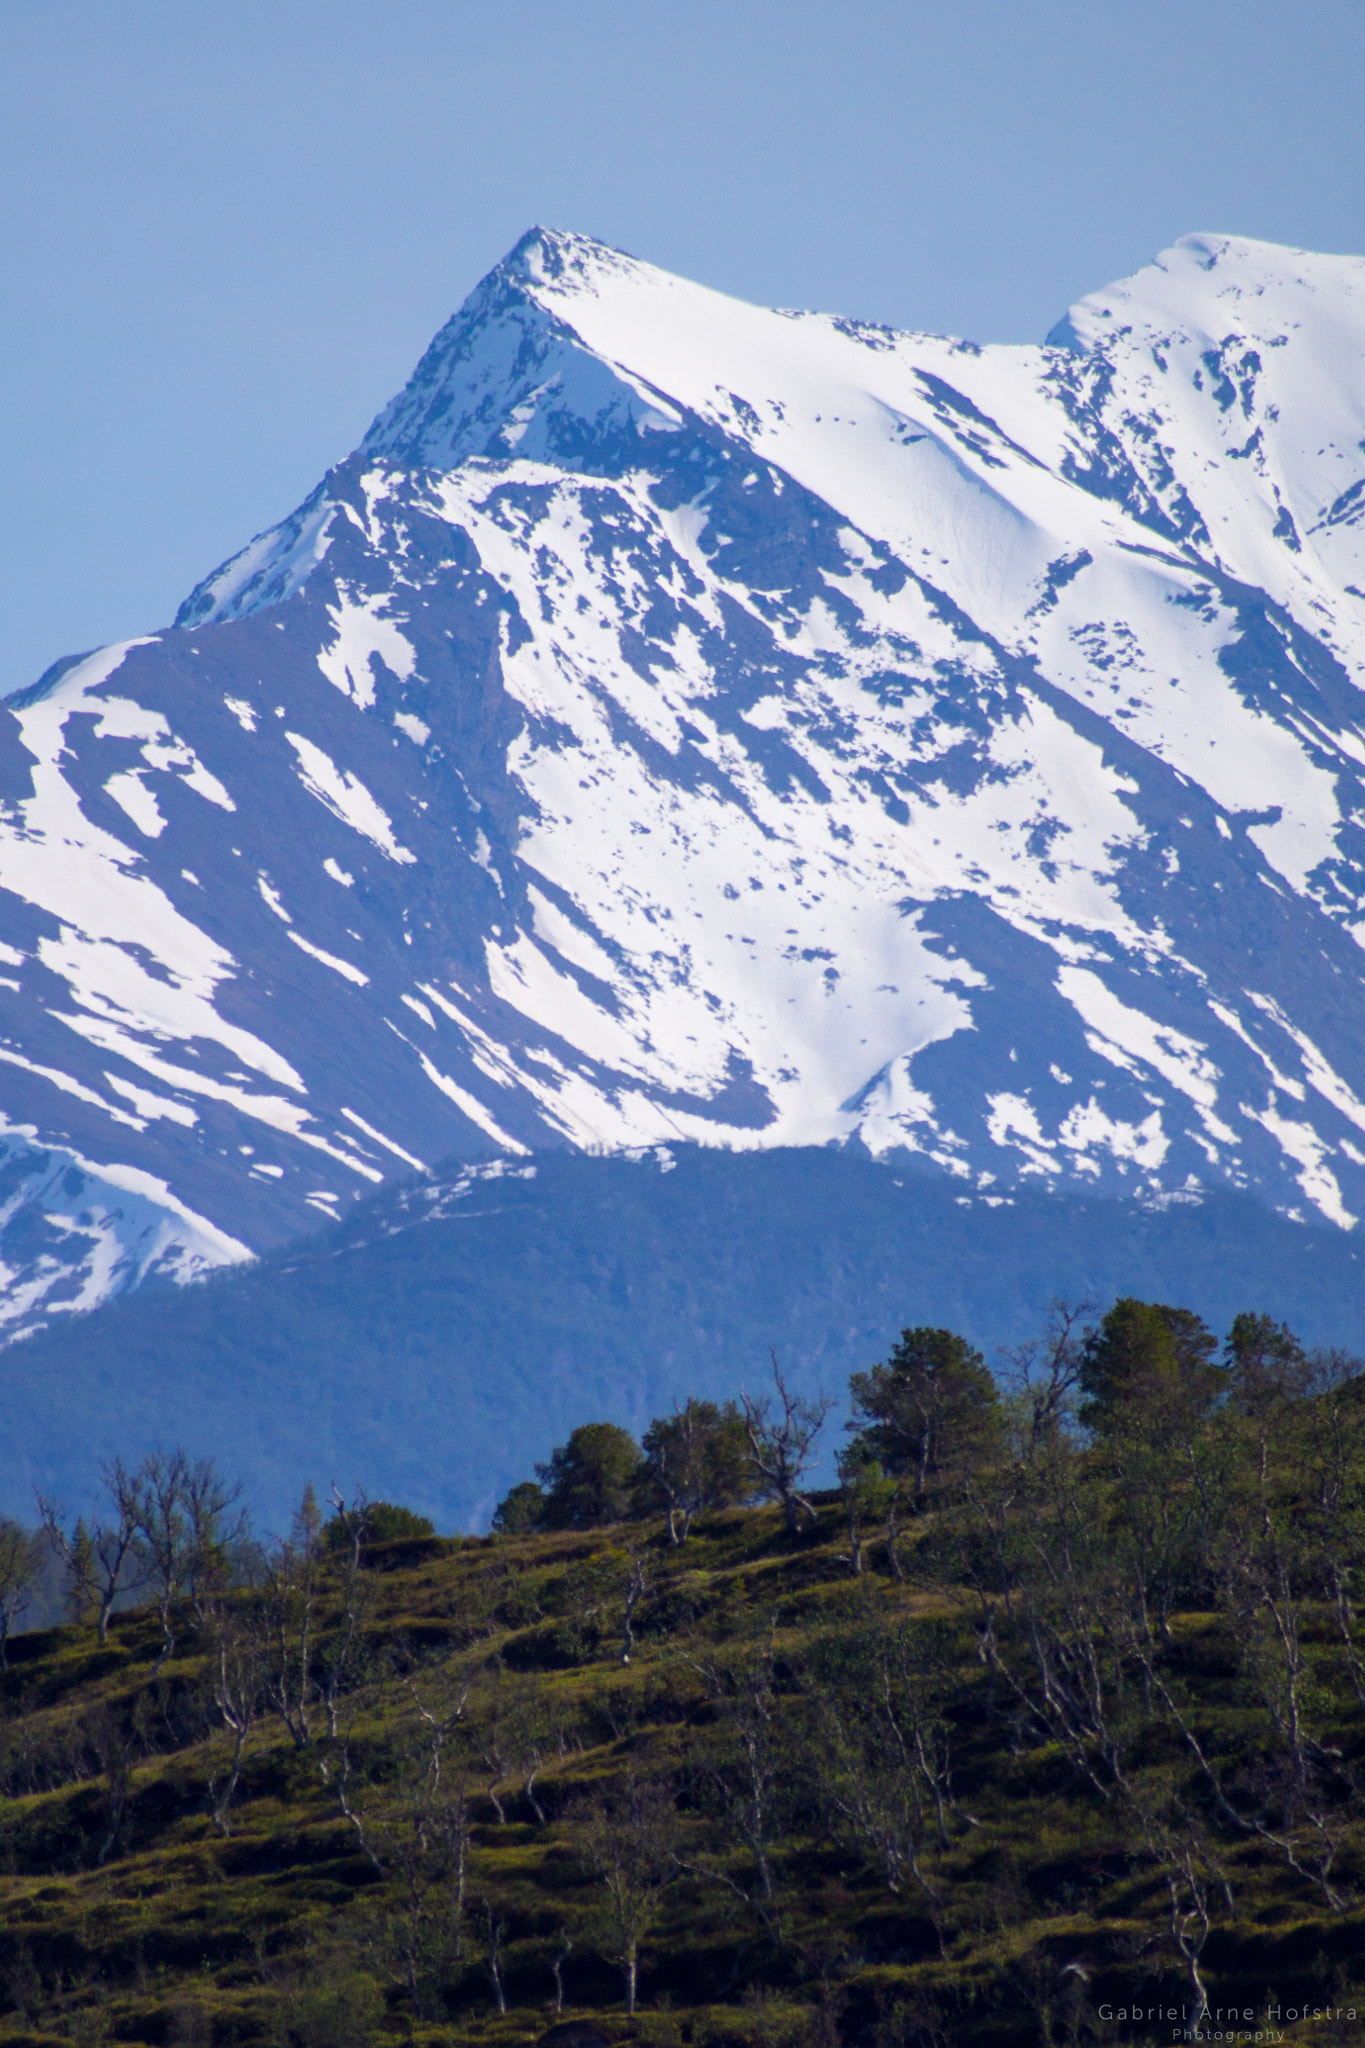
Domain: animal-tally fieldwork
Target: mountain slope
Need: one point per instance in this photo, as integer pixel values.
(684, 721)
(446, 1335)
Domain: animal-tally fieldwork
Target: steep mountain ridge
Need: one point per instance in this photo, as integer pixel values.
(684, 721)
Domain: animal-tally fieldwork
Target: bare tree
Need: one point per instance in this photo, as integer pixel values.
(234, 1680)
(181, 1511)
(219, 1527)
(886, 1773)
(494, 1928)
(1077, 1567)
(100, 1557)
(629, 1839)
(636, 1587)
(1192, 1878)
(167, 1525)
(893, 1555)
(1289, 1805)
(1046, 1371)
(782, 1444)
(414, 1829)
(341, 1653)
(493, 1737)
(557, 1962)
(289, 1612)
(743, 1771)
(111, 1738)
(423, 1834)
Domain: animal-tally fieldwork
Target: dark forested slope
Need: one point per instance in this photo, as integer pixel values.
(449, 1333)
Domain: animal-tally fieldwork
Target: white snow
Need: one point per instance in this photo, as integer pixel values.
(1124, 1035)
(346, 797)
(271, 898)
(470, 1104)
(150, 1105)
(338, 966)
(111, 917)
(776, 825)
(270, 568)
(132, 795)
(1301, 1143)
(362, 634)
(388, 1143)
(69, 1085)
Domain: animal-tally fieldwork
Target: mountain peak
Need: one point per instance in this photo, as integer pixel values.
(511, 344)
(680, 719)
(1211, 285)
(557, 256)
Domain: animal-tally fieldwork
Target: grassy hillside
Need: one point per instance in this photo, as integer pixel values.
(938, 1800)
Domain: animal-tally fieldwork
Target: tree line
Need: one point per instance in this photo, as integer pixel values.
(699, 1458)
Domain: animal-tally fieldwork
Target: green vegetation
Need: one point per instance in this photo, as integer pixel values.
(374, 1521)
(1035, 1720)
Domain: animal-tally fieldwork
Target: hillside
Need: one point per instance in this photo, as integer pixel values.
(444, 1336)
(1083, 1734)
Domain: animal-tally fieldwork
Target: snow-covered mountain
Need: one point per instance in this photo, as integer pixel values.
(679, 720)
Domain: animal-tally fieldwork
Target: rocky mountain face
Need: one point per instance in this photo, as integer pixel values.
(682, 721)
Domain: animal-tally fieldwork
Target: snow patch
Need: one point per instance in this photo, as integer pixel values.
(341, 967)
(346, 797)
(364, 633)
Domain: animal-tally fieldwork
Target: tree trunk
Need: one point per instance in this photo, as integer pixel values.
(225, 1794)
(119, 1776)
(557, 1966)
(167, 1634)
(892, 1532)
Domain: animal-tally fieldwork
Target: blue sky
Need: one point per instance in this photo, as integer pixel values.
(226, 233)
